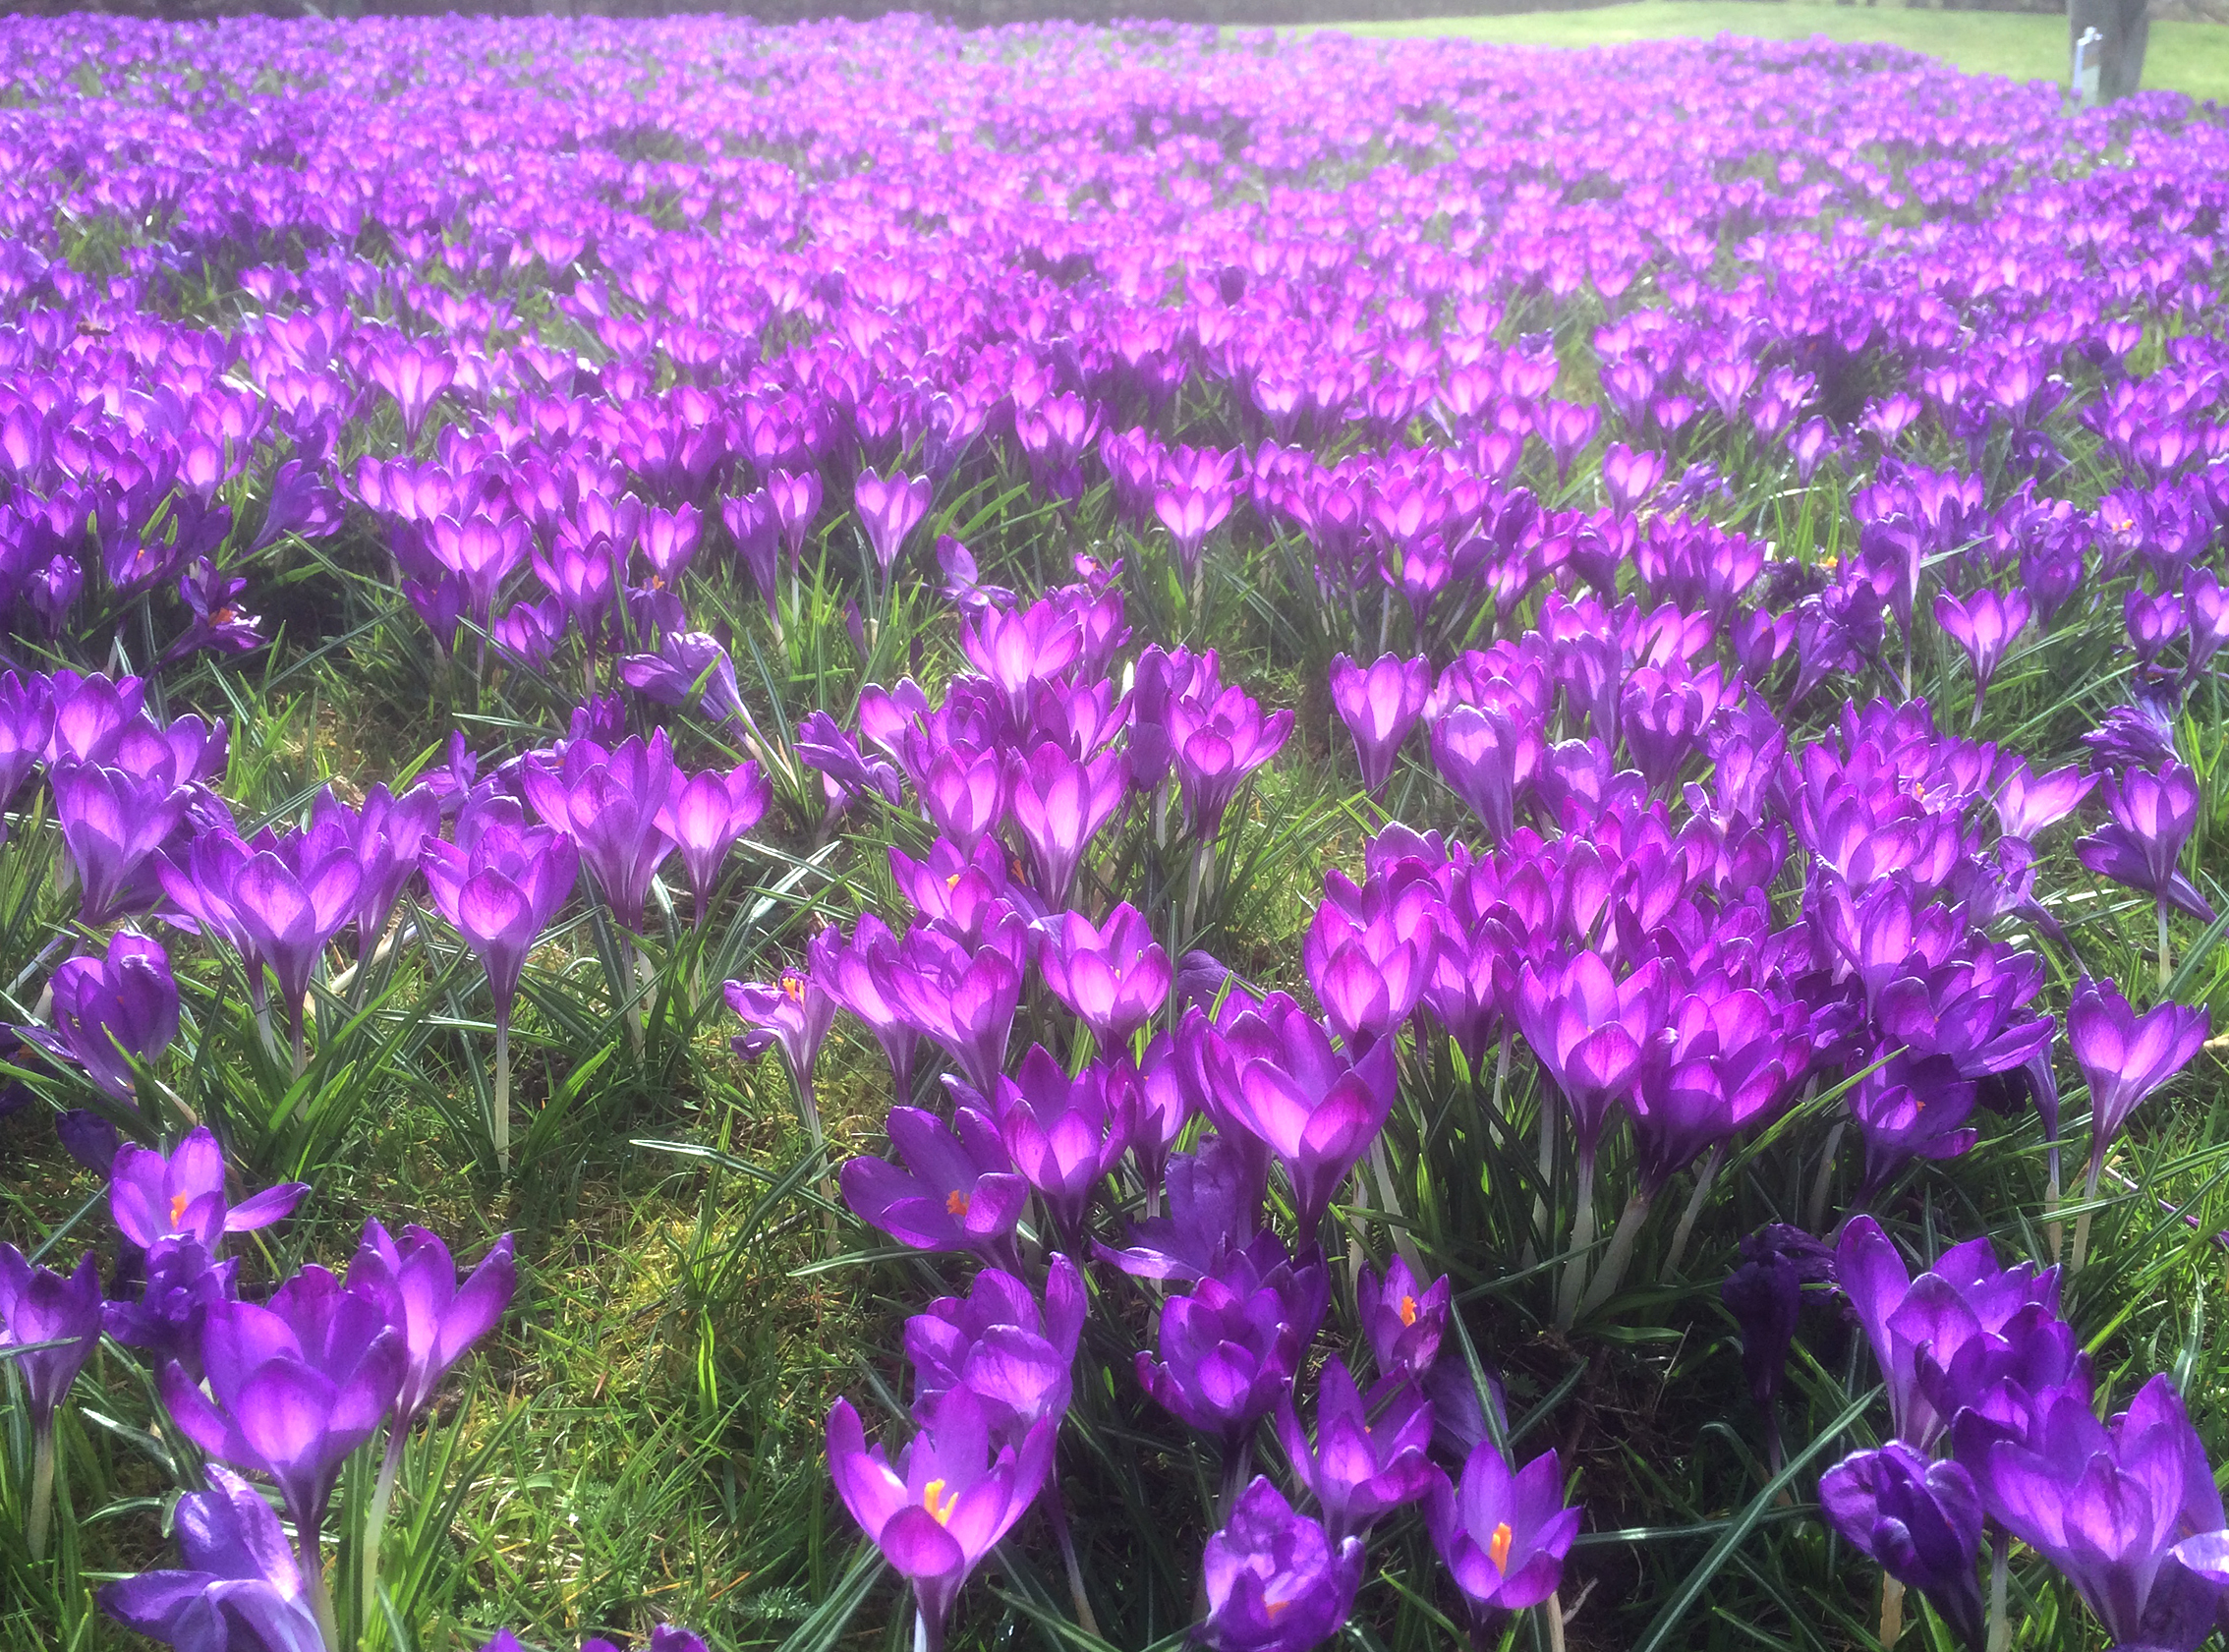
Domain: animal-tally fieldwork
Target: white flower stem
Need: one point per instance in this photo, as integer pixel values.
(43, 1490)
(375, 1527)
(500, 1118)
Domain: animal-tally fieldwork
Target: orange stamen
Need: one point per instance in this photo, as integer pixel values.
(1409, 1310)
(955, 1203)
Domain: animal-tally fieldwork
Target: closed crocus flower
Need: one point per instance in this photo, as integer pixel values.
(293, 1389)
(964, 791)
(705, 816)
(113, 823)
(1214, 745)
(962, 998)
(1231, 1349)
(1063, 1134)
(1984, 623)
(386, 836)
(1277, 1076)
(1059, 805)
(1380, 703)
(1490, 756)
(56, 1317)
(2109, 1504)
(608, 802)
(1920, 1521)
(890, 509)
(241, 1588)
(1367, 1458)
(1022, 650)
(1369, 954)
(1945, 1339)
(1591, 1033)
(851, 972)
(1114, 976)
(498, 886)
(951, 1495)
(415, 1284)
(109, 1012)
(1503, 1536)
(1276, 1581)
(2027, 803)
(2125, 1056)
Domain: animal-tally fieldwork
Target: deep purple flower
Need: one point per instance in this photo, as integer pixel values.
(1231, 1348)
(2107, 1504)
(1059, 805)
(293, 1389)
(958, 1191)
(792, 1011)
(1275, 1580)
(1503, 1536)
(387, 834)
(112, 1011)
(1984, 623)
(415, 1285)
(1765, 1295)
(1403, 1320)
(1920, 1521)
(962, 998)
(1367, 1458)
(40, 1305)
(1379, 703)
(182, 1283)
(1114, 976)
(499, 885)
(1274, 1074)
(609, 803)
(241, 1589)
(1215, 1207)
(1945, 1339)
(951, 1495)
(1062, 1134)
(153, 1197)
(1591, 1034)
(2125, 1057)
(213, 597)
(888, 510)
(1214, 745)
(2141, 845)
(851, 973)
(1015, 1356)
(1369, 954)
(113, 823)
(688, 668)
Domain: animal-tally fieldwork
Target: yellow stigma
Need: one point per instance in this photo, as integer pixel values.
(940, 1506)
(1409, 1310)
(177, 1210)
(1498, 1550)
(955, 1204)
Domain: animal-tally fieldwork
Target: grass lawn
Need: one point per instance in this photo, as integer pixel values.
(2191, 57)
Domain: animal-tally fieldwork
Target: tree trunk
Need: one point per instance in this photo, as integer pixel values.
(2125, 26)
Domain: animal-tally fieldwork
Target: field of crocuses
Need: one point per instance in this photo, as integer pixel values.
(859, 834)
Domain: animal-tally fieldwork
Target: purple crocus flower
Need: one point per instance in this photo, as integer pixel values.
(499, 885)
(795, 1013)
(2027, 803)
(1215, 1207)
(1489, 757)
(1274, 1074)
(2108, 1503)
(962, 998)
(293, 1389)
(1984, 623)
(1369, 954)
(706, 815)
(1020, 649)
(38, 1305)
(387, 835)
(1403, 1320)
(413, 1284)
(1062, 1134)
(113, 823)
(155, 1197)
(280, 903)
(182, 1283)
(851, 973)
(1380, 703)
(1591, 1034)
(689, 667)
(1920, 1521)
(964, 791)
(1368, 1457)
(888, 510)
(996, 1341)
(1945, 1339)
(1276, 1581)
(1214, 745)
(609, 803)
(2125, 1056)
(2141, 845)
(241, 1588)
(1059, 805)
(958, 1190)
(110, 1012)
(213, 597)
(1765, 1295)
(1502, 1536)
(951, 1495)
(1231, 1347)
(1114, 976)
